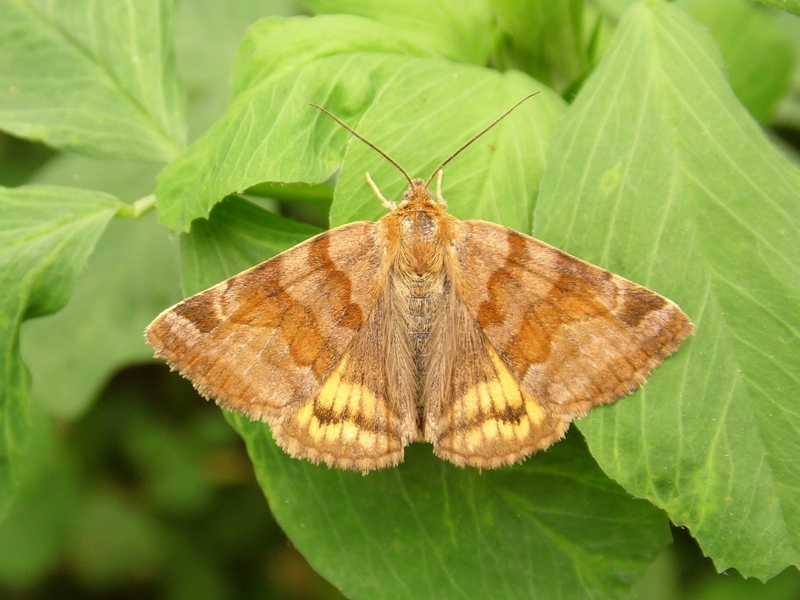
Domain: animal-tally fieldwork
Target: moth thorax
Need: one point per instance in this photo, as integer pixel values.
(420, 251)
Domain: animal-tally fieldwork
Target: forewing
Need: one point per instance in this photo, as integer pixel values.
(270, 340)
(569, 334)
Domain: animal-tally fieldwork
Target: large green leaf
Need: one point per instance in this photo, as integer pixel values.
(46, 233)
(459, 29)
(659, 174)
(269, 132)
(792, 6)
(94, 77)
(757, 51)
(553, 526)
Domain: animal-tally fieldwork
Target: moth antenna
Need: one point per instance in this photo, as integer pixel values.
(474, 138)
(367, 142)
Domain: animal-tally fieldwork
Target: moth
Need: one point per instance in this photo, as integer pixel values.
(480, 340)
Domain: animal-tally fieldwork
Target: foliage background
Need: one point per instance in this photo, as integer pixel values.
(116, 480)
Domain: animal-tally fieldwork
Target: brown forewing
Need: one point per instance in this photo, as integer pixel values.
(572, 334)
(264, 341)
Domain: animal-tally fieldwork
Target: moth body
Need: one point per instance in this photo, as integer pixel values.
(420, 284)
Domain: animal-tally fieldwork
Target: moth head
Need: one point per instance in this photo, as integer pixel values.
(417, 193)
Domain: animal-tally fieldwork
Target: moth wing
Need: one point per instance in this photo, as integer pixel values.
(555, 335)
(272, 340)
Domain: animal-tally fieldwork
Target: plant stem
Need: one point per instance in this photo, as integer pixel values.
(138, 208)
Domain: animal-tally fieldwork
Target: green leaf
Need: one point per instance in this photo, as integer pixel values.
(94, 77)
(671, 183)
(613, 9)
(792, 6)
(545, 39)
(731, 586)
(33, 535)
(46, 233)
(286, 140)
(274, 45)
(497, 179)
(237, 235)
(269, 132)
(757, 51)
(131, 276)
(553, 527)
(458, 29)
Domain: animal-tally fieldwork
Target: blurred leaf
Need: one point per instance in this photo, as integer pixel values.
(458, 29)
(613, 8)
(168, 461)
(731, 586)
(545, 39)
(131, 277)
(32, 537)
(553, 526)
(19, 159)
(757, 51)
(126, 180)
(94, 77)
(673, 185)
(202, 64)
(115, 542)
(661, 580)
(46, 233)
(792, 6)
(207, 34)
(787, 114)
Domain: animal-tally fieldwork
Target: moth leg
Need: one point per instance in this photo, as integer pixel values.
(442, 202)
(387, 203)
